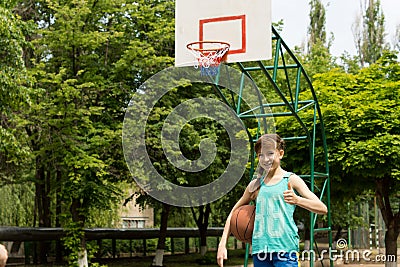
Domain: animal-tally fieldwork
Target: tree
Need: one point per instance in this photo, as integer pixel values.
(191, 135)
(15, 156)
(349, 63)
(13, 93)
(318, 59)
(362, 114)
(74, 120)
(396, 41)
(369, 33)
(316, 29)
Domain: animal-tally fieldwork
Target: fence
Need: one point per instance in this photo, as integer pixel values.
(371, 234)
(179, 239)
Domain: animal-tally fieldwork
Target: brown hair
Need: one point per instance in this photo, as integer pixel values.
(280, 143)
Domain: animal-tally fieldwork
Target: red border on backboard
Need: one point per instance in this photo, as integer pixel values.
(219, 19)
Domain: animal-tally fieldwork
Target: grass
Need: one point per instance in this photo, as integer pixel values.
(235, 257)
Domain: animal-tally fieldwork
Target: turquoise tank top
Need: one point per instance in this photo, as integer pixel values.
(274, 226)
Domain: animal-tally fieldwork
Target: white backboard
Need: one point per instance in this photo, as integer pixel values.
(244, 24)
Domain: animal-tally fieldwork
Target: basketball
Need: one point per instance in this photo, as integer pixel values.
(242, 223)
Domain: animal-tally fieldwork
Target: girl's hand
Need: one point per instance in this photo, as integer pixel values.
(222, 255)
(289, 196)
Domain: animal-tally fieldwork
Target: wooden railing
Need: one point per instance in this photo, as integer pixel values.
(32, 235)
(48, 234)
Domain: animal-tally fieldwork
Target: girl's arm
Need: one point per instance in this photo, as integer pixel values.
(222, 253)
(307, 199)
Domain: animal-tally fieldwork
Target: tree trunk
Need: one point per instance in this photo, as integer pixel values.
(58, 214)
(338, 233)
(307, 237)
(3, 255)
(42, 189)
(158, 259)
(77, 217)
(392, 221)
(202, 224)
(82, 255)
(391, 247)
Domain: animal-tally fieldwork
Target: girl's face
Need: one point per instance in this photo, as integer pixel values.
(269, 157)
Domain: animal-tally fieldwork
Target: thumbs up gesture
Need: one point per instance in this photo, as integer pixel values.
(289, 196)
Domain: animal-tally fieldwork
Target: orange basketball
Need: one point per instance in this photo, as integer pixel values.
(242, 223)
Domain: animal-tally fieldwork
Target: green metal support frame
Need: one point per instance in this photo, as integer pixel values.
(290, 88)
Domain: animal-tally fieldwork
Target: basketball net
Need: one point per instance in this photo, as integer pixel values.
(209, 55)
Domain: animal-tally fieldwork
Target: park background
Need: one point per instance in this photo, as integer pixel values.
(69, 69)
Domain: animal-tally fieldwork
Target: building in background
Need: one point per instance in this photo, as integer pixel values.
(133, 216)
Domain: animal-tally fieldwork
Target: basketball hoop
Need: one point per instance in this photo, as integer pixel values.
(209, 55)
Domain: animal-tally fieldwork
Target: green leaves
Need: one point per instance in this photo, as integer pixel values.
(14, 152)
(12, 68)
(361, 113)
